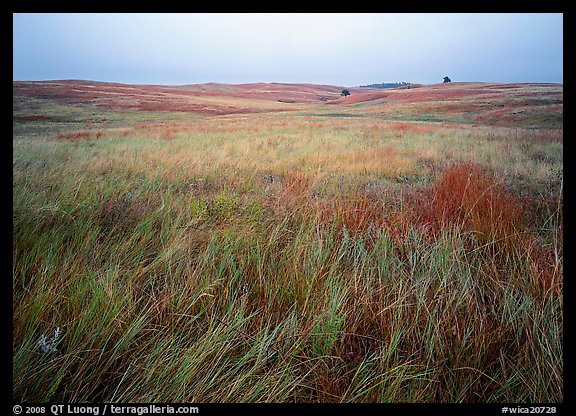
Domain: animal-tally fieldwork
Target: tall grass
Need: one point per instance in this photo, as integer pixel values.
(250, 266)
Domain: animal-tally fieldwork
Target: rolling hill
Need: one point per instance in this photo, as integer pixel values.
(532, 104)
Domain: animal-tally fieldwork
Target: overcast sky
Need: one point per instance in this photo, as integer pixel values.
(338, 49)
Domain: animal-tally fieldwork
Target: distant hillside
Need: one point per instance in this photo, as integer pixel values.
(520, 105)
(206, 99)
(533, 105)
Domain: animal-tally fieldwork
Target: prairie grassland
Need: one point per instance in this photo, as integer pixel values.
(286, 257)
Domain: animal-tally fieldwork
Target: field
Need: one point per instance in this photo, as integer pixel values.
(282, 243)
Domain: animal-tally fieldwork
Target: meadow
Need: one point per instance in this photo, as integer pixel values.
(281, 243)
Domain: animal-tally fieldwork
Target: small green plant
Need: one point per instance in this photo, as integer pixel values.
(199, 207)
(223, 204)
(325, 333)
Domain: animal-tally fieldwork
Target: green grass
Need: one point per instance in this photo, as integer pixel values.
(336, 115)
(433, 119)
(269, 258)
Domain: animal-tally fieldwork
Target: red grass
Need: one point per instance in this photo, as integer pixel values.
(289, 194)
(32, 118)
(405, 127)
(545, 264)
(356, 216)
(296, 186)
(78, 135)
(363, 217)
(467, 195)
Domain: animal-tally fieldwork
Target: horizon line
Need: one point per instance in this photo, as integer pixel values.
(274, 82)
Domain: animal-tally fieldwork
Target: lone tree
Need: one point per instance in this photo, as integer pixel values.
(446, 79)
(345, 93)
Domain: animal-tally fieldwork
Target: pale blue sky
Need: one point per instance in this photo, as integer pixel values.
(332, 48)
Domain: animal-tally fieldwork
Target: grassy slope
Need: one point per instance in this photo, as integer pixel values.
(406, 247)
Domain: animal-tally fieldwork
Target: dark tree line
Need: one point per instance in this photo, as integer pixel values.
(386, 85)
